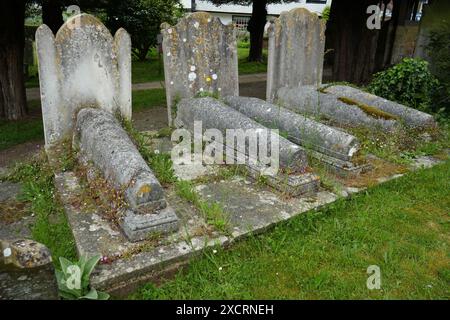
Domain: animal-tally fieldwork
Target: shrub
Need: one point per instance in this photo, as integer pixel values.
(409, 82)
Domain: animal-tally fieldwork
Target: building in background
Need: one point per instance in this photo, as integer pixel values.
(240, 15)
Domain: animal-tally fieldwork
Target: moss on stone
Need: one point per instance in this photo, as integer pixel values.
(369, 110)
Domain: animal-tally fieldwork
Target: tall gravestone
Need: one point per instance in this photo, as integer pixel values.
(82, 66)
(296, 50)
(200, 56)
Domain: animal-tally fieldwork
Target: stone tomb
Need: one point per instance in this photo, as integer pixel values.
(334, 148)
(85, 78)
(296, 49)
(214, 114)
(102, 140)
(200, 59)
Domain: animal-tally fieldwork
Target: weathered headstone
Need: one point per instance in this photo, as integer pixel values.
(200, 56)
(102, 140)
(309, 100)
(296, 50)
(82, 66)
(26, 271)
(410, 116)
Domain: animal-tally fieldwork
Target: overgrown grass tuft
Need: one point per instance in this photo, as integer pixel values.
(51, 227)
(213, 213)
(160, 163)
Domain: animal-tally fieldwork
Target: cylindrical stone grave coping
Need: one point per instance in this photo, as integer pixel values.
(103, 141)
(309, 100)
(215, 114)
(412, 117)
(299, 129)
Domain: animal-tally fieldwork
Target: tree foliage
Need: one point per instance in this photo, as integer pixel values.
(142, 20)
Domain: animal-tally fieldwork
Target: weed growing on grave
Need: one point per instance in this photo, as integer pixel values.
(213, 213)
(108, 201)
(161, 164)
(205, 94)
(401, 145)
(51, 227)
(327, 180)
(73, 279)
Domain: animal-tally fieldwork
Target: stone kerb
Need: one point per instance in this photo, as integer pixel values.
(296, 50)
(83, 65)
(200, 57)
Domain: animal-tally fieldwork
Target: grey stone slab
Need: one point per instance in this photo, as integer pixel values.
(411, 117)
(138, 227)
(310, 101)
(299, 129)
(252, 209)
(9, 190)
(200, 55)
(214, 114)
(296, 50)
(83, 65)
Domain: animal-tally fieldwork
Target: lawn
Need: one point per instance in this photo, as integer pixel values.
(401, 226)
(153, 70)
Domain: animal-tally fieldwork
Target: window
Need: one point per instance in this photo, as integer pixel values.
(241, 22)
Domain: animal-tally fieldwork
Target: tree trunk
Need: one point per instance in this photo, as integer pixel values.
(256, 28)
(13, 104)
(353, 44)
(52, 14)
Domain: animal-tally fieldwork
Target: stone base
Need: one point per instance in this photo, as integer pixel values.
(340, 167)
(138, 227)
(293, 185)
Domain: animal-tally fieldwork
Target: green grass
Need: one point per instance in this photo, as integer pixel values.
(147, 99)
(213, 213)
(50, 227)
(246, 67)
(401, 226)
(16, 132)
(151, 69)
